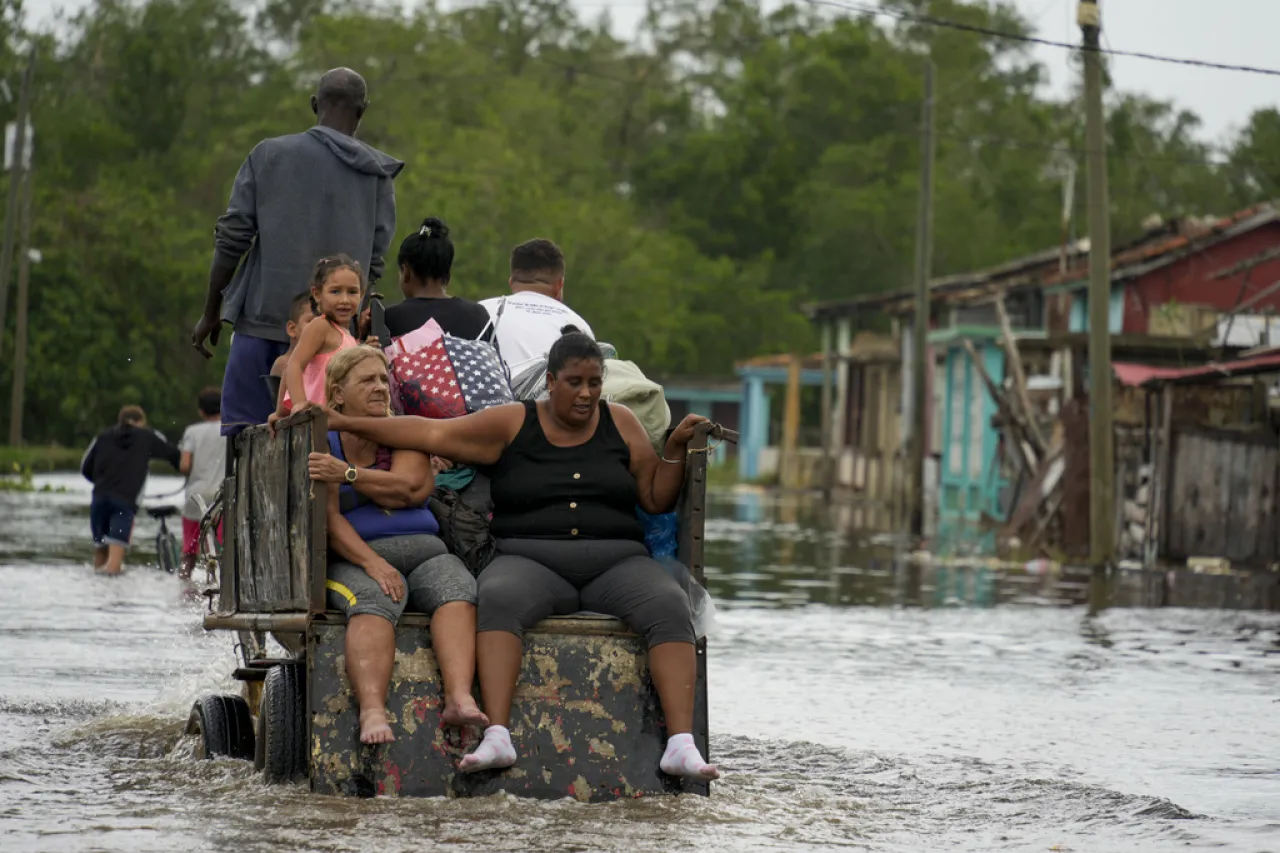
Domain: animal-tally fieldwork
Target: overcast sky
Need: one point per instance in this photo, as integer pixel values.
(1241, 32)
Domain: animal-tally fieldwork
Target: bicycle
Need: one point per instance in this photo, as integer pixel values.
(251, 645)
(168, 553)
(208, 548)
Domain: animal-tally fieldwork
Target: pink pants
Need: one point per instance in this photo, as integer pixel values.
(191, 536)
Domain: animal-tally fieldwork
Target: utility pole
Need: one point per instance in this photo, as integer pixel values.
(17, 401)
(1101, 430)
(920, 328)
(16, 170)
(828, 452)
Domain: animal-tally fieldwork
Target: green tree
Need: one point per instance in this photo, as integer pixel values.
(705, 180)
(1253, 162)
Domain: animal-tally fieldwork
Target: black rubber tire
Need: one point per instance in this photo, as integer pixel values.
(175, 552)
(240, 735)
(224, 727)
(167, 554)
(281, 745)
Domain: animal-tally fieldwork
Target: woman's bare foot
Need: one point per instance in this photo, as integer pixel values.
(463, 712)
(374, 727)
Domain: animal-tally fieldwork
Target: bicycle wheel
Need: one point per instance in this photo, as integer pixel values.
(167, 555)
(209, 548)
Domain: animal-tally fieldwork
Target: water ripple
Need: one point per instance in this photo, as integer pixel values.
(848, 715)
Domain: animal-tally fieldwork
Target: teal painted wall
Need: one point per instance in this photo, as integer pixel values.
(1079, 319)
(969, 481)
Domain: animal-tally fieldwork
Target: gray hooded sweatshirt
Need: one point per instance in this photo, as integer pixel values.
(296, 199)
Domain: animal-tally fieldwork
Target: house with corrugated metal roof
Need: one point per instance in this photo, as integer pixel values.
(1186, 292)
(1183, 278)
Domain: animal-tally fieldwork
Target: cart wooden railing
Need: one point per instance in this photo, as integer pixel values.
(275, 548)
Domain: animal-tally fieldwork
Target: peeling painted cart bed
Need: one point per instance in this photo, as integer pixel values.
(586, 721)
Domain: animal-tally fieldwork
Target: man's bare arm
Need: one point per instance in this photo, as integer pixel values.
(233, 236)
(210, 324)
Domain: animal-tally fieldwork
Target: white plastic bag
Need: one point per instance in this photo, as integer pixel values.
(700, 603)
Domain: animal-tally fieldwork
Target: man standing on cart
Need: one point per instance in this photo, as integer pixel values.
(297, 198)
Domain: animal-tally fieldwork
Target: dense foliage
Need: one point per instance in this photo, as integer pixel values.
(704, 180)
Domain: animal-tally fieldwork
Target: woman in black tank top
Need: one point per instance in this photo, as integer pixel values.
(567, 474)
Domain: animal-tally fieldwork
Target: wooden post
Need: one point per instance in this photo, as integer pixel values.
(319, 523)
(16, 182)
(828, 453)
(919, 427)
(1067, 374)
(228, 568)
(790, 475)
(1158, 489)
(17, 400)
(1068, 203)
(840, 407)
(1014, 358)
(1101, 429)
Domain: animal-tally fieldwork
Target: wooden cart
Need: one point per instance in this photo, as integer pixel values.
(586, 720)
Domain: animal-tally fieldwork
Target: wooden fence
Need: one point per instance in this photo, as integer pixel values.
(1220, 499)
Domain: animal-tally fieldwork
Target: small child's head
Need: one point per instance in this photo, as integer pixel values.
(209, 402)
(336, 288)
(302, 310)
(132, 415)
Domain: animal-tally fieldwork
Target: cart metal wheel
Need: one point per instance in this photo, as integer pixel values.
(222, 726)
(281, 752)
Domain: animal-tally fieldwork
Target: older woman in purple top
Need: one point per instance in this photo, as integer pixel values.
(384, 553)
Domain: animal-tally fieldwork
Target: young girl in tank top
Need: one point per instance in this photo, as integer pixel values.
(336, 288)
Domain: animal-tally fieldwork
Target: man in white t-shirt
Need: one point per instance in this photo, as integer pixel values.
(533, 315)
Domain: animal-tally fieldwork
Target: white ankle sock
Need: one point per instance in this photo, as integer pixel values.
(494, 751)
(683, 759)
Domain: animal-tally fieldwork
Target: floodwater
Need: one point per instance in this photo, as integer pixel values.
(849, 712)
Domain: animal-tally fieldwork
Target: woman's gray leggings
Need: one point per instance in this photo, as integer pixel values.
(433, 577)
(532, 579)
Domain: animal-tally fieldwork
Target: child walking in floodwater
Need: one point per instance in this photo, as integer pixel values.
(336, 287)
(117, 463)
(204, 462)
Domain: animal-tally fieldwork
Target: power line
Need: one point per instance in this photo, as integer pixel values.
(1003, 34)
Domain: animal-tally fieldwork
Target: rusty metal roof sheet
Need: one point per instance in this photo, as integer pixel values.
(960, 287)
(1138, 375)
(1146, 257)
(1147, 253)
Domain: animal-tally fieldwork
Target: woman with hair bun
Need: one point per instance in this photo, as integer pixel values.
(426, 263)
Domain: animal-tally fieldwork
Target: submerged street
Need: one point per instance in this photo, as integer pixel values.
(841, 719)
